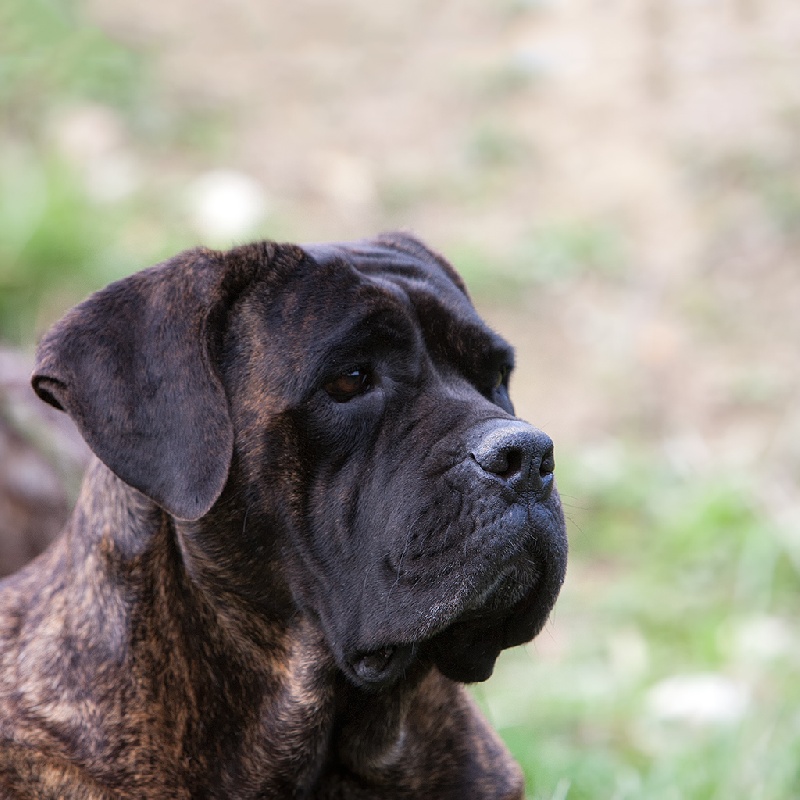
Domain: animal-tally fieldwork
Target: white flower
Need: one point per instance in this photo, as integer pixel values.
(225, 204)
(698, 699)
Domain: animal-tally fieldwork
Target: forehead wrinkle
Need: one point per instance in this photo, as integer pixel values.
(400, 261)
(451, 328)
(455, 329)
(334, 310)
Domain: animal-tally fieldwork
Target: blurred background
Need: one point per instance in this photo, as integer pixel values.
(619, 183)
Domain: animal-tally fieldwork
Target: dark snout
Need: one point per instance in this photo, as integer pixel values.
(516, 454)
(476, 571)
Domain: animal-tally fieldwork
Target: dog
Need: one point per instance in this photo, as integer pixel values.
(311, 516)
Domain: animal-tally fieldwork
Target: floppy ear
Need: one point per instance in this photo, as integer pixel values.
(132, 365)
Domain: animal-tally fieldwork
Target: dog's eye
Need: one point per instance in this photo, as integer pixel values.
(349, 385)
(501, 378)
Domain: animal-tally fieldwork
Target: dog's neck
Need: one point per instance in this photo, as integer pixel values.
(206, 673)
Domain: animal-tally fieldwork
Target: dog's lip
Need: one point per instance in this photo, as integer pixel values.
(500, 594)
(483, 597)
(511, 579)
(380, 667)
(497, 591)
(512, 584)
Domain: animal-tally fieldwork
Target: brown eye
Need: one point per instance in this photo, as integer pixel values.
(349, 385)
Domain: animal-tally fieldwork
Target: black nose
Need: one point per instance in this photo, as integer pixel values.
(519, 455)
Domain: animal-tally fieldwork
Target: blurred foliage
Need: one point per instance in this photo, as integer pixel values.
(53, 236)
(556, 256)
(51, 240)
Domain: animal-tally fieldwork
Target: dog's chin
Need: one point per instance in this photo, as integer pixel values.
(511, 611)
(465, 657)
(506, 613)
(466, 650)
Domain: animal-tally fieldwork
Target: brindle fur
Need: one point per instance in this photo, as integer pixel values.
(240, 539)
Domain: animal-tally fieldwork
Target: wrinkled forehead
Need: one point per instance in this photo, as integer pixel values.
(402, 257)
(420, 275)
(346, 305)
(403, 270)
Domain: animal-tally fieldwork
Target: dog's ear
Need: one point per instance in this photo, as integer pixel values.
(133, 366)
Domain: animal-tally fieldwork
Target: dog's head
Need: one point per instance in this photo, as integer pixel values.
(349, 406)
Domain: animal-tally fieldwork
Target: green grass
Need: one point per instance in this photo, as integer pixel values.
(669, 576)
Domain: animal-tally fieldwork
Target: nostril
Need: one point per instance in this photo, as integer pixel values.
(548, 463)
(505, 462)
(513, 464)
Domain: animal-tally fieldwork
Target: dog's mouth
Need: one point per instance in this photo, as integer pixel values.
(512, 610)
(380, 668)
(464, 648)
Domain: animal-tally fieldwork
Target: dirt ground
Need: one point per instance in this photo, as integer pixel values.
(477, 125)
(621, 179)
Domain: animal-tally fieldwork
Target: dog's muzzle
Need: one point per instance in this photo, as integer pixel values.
(513, 585)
